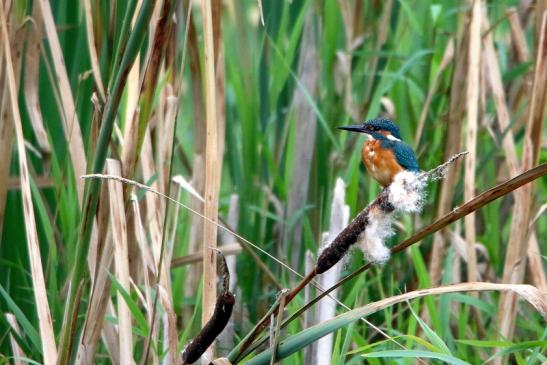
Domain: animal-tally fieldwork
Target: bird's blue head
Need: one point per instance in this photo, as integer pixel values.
(379, 128)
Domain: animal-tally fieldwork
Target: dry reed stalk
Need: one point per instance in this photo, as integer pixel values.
(161, 26)
(91, 47)
(49, 348)
(310, 352)
(305, 137)
(521, 87)
(121, 261)
(71, 124)
(110, 335)
(155, 210)
(446, 60)
(130, 131)
(32, 66)
(349, 19)
(166, 134)
(99, 262)
(170, 336)
(6, 123)
(212, 173)
(326, 308)
(517, 35)
(515, 258)
(16, 350)
(500, 101)
(144, 249)
(472, 103)
(94, 319)
(198, 170)
(149, 268)
(453, 142)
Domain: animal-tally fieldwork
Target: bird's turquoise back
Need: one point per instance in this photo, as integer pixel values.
(403, 153)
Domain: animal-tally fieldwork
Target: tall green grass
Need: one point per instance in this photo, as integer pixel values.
(262, 78)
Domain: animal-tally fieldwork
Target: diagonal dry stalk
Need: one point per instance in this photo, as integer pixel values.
(456, 214)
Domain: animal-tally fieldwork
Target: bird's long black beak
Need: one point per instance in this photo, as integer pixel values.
(354, 128)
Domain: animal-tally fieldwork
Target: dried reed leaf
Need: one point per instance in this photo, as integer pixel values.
(17, 352)
(130, 130)
(91, 46)
(71, 124)
(517, 35)
(304, 338)
(32, 65)
(49, 348)
(6, 123)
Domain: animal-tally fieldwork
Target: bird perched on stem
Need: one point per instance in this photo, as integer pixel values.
(384, 153)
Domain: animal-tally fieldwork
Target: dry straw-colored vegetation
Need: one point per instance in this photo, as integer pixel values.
(140, 139)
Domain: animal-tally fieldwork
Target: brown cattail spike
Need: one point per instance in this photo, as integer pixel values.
(211, 330)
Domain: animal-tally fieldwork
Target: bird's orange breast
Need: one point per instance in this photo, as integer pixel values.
(380, 162)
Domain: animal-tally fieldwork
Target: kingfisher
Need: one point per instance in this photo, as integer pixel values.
(384, 153)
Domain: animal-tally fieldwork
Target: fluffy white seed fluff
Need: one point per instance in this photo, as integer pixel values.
(406, 192)
(372, 239)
